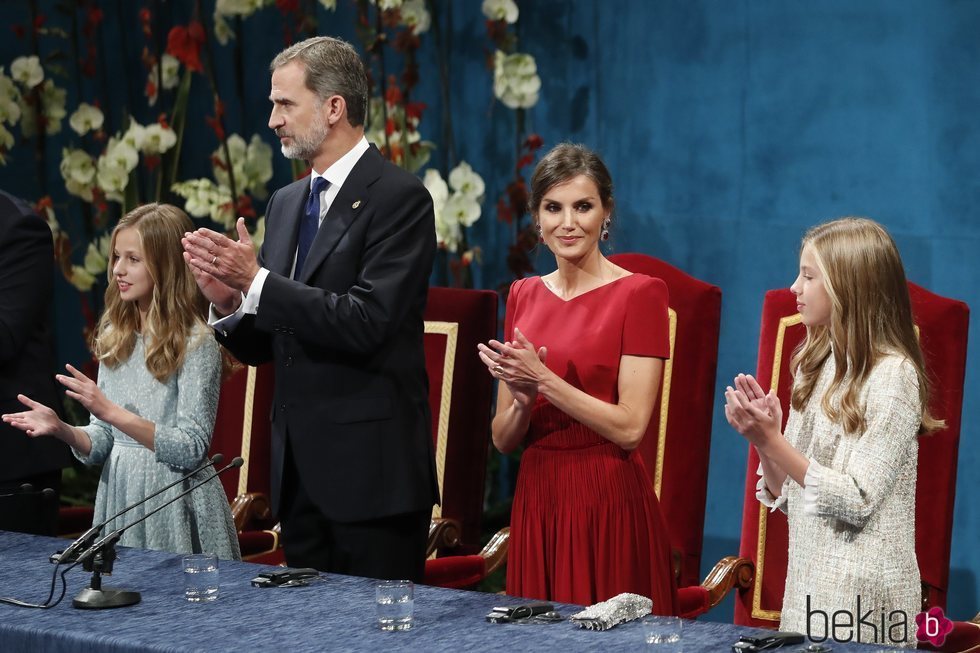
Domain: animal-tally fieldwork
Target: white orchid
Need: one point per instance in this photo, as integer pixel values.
(78, 170)
(97, 255)
(199, 194)
(81, 278)
(415, 15)
(466, 182)
(112, 178)
(329, 4)
(207, 199)
(251, 165)
(10, 100)
(52, 106)
(464, 210)
(169, 79)
(121, 153)
(437, 188)
(222, 30)
(134, 137)
(515, 80)
(385, 5)
(157, 139)
(27, 71)
(258, 236)
(86, 118)
(505, 10)
(6, 142)
(448, 233)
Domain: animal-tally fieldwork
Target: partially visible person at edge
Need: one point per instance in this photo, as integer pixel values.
(335, 300)
(27, 366)
(153, 408)
(845, 469)
(579, 373)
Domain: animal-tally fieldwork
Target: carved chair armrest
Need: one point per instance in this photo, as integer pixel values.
(443, 534)
(252, 511)
(729, 572)
(495, 552)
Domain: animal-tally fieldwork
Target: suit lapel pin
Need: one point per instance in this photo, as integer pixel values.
(355, 204)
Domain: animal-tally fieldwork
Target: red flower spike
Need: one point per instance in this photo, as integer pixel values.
(162, 121)
(182, 45)
(216, 127)
(18, 31)
(287, 6)
(415, 109)
(533, 142)
(504, 214)
(43, 203)
(145, 15)
(39, 21)
(524, 160)
(151, 161)
(150, 90)
(244, 207)
(196, 31)
(394, 94)
(390, 126)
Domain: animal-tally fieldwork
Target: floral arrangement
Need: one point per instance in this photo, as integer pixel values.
(112, 162)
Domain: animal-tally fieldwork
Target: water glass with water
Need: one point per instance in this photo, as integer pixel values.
(663, 633)
(395, 604)
(200, 577)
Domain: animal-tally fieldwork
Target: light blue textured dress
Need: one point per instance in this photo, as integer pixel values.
(183, 410)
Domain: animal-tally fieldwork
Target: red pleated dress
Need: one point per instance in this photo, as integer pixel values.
(586, 523)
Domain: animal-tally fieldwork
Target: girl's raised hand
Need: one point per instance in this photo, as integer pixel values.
(86, 392)
(758, 419)
(39, 420)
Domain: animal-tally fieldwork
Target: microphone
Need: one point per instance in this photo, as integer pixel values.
(84, 541)
(115, 535)
(97, 597)
(25, 488)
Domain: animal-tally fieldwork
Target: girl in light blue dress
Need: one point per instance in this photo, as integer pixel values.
(153, 408)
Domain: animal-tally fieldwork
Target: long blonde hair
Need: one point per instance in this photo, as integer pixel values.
(871, 316)
(176, 304)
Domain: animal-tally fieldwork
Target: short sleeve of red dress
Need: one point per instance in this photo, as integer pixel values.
(513, 298)
(646, 328)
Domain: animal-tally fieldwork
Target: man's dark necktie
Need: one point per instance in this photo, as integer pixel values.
(309, 224)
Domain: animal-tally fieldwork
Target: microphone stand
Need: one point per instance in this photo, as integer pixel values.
(99, 558)
(85, 540)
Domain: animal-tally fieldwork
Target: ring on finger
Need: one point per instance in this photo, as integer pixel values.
(214, 260)
(498, 369)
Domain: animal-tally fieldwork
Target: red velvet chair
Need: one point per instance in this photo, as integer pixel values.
(242, 428)
(676, 445)
(460, 395)
(942, 325)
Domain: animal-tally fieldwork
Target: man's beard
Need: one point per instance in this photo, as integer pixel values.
(305, 146)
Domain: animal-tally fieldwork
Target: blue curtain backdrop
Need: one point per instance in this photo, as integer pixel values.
(729, 127)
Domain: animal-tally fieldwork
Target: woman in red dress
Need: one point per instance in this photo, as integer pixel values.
(579, 371)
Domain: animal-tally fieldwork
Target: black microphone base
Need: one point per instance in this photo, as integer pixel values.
(107, 597)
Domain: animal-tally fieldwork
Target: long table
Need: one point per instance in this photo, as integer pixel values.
(336, 614)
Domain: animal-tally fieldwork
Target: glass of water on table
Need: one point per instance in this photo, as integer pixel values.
(395, 604)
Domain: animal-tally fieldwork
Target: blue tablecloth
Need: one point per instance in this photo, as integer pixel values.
(333, 615)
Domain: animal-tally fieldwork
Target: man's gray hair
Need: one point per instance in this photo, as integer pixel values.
(333, 67)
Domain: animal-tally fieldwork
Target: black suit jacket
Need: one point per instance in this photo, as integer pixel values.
(26, 358)
(351, 393)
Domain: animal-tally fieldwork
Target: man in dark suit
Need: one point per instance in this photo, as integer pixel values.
(336, 300)
(26, 367)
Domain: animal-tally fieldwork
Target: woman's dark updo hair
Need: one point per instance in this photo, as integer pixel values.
(563, 163)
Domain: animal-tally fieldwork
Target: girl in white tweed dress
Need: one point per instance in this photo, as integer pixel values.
(845, 470)
(154, 406)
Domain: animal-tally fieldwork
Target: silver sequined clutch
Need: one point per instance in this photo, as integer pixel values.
(617, 610)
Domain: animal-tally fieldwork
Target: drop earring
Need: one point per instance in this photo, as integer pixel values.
(604, 233)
